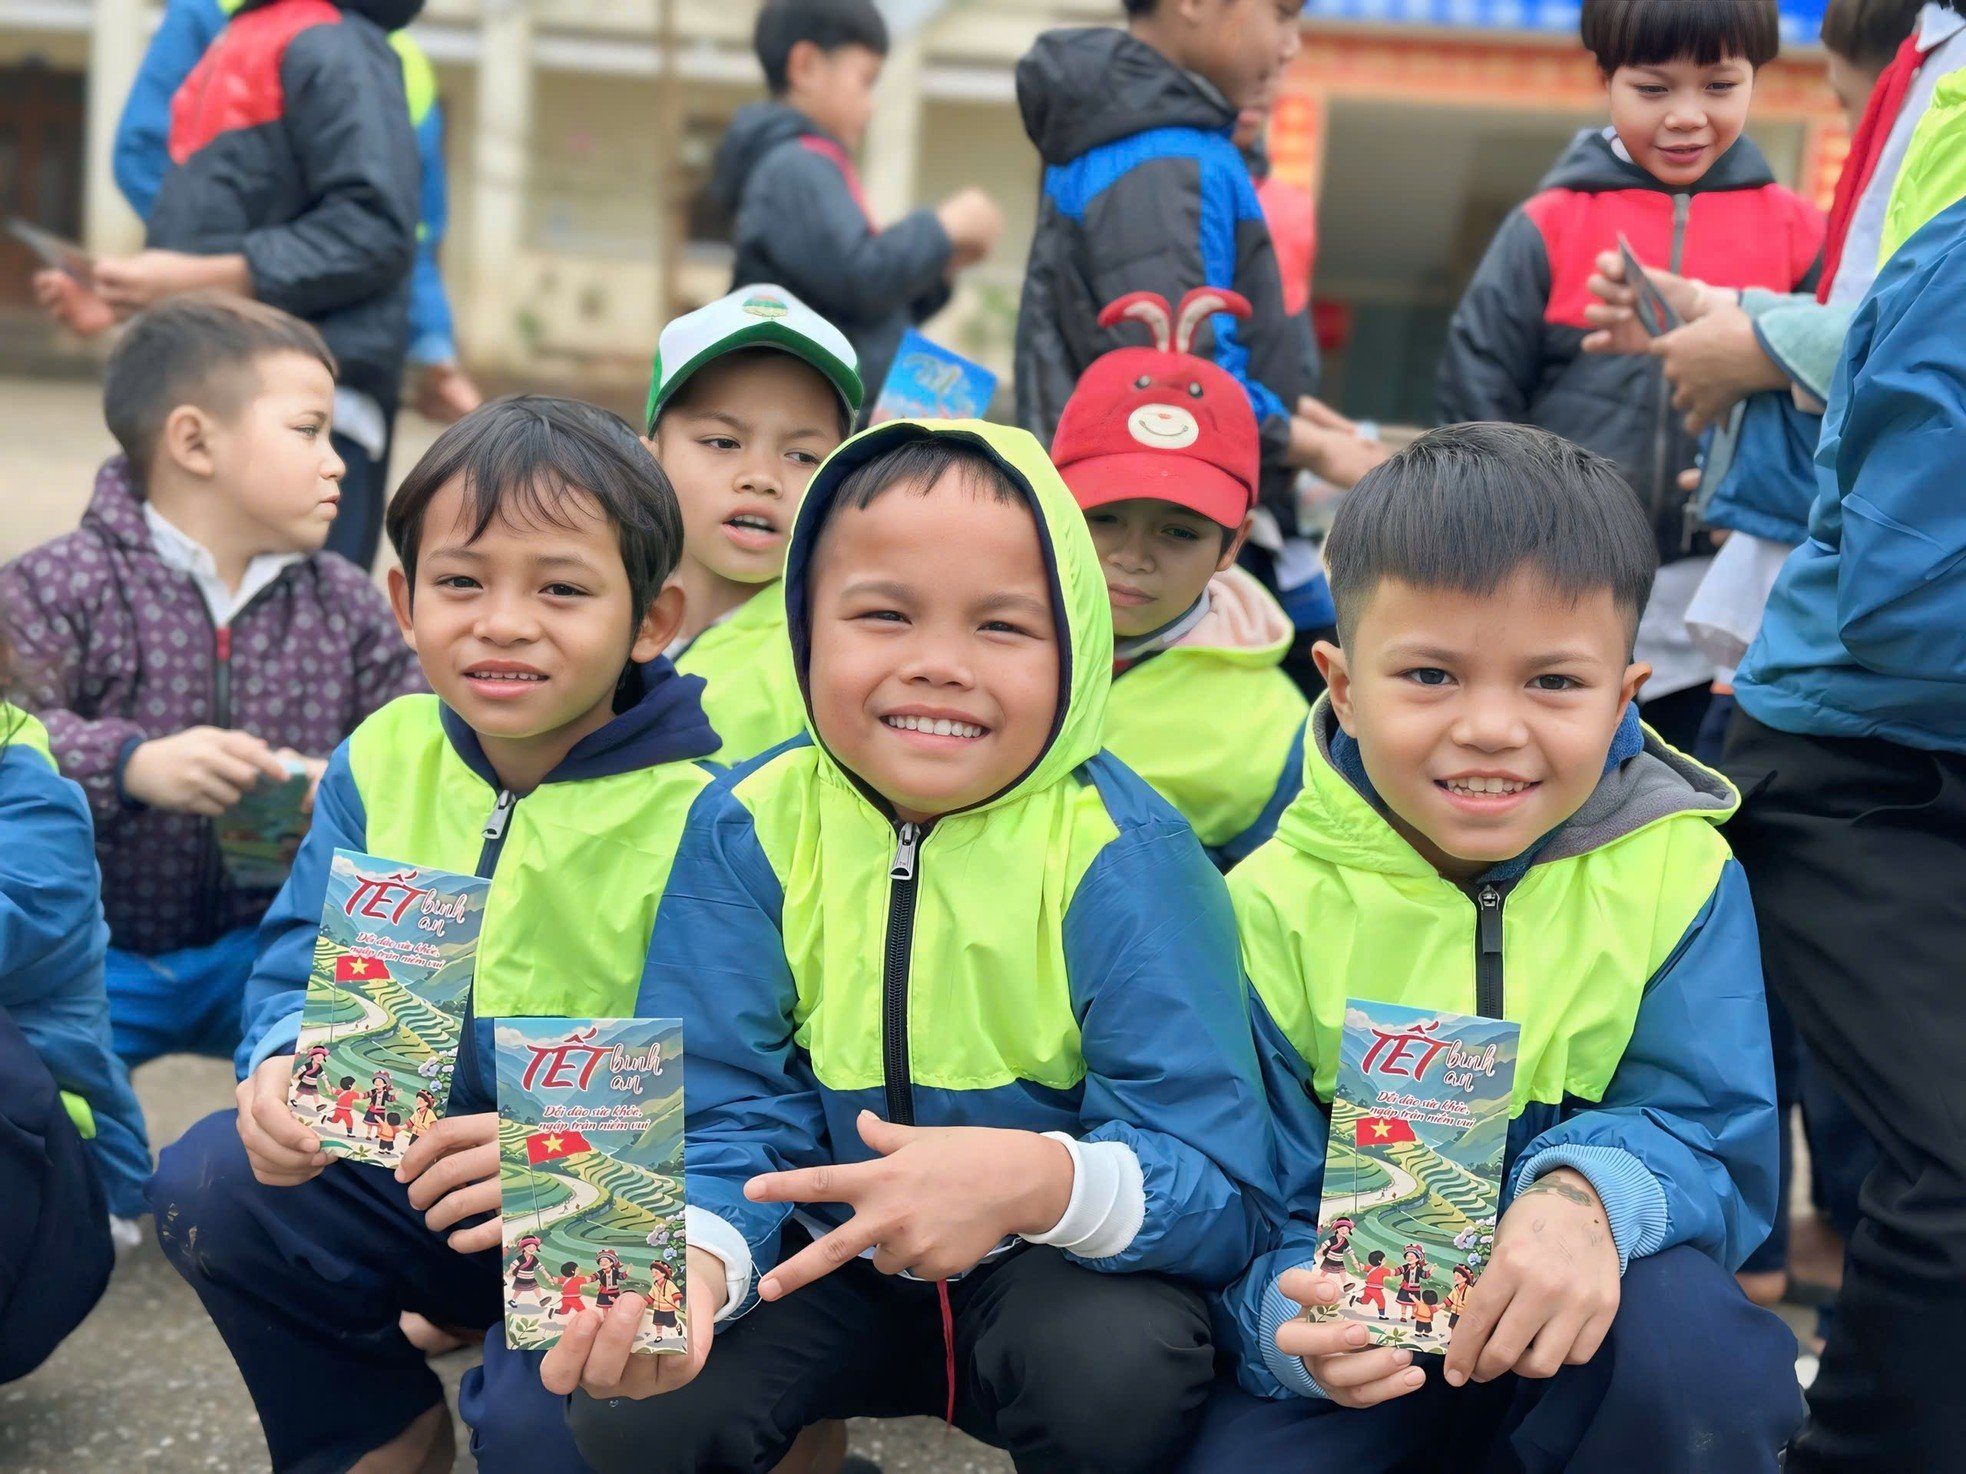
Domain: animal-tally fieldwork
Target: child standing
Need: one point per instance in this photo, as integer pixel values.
(190, 634)
(1486, 828)
(748, 395)
(785, 175)
(1674, 175)
(951, 948)
(558, 759)
(1160, 449)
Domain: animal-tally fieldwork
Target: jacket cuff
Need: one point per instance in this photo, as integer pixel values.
(428, 348)
(704, 1230)
(281, 1037)
(1279, 1310)
(1634, 1202)
(130, 745)
(1108, 1202)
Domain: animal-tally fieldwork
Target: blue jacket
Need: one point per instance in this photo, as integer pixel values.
(140, 157)
(1865, 634)
(1767, 491)
(52, 940)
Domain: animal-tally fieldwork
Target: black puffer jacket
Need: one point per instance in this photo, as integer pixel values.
(800, 220)
(1144, 192)
(291, 143)
(1515, 346)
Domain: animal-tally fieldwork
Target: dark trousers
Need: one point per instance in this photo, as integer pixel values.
(1856, 851)
(357, 529)
(1070, 1370)
(1692, 1379)
(306, 1284)
(55, 1254)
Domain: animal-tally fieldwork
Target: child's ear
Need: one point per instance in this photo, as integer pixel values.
(1338, 677)
(186, 441)
(800, 63)
(1235, 544)
(1636, 675)
(659, 626)
(399, 604)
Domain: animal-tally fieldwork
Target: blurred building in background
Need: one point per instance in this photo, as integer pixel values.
(581, 134)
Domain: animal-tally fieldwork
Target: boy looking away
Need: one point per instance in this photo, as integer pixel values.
(962, 989)
(1159, 448)
(1485, 828)
(784, 173)
(558, 758)
(748, 395)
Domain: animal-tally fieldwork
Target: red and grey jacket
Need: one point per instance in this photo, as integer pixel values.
(1515, 346)
(291, 144)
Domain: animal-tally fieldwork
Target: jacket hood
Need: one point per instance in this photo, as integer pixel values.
(660, 720)
(1593, 163)
(1337, 818)
(115, 509)
(1078, 89)
(1080, 610)
(758, 128)
(1243, 620)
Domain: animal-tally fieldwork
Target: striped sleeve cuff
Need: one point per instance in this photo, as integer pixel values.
(704, 1230)
(1108, 1202)
(1290, 1371)
(1634, 1202)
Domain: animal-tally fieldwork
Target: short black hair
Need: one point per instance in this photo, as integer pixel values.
(1868, 33)
(922, 463)
(1649, 33)
(828, 24)
(1137, 8)
(200, 348)
(1463, 508)
(523, 456)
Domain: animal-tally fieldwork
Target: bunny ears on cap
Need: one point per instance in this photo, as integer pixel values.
(1174, 328)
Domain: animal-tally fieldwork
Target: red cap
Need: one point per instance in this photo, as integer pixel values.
(1161, 422)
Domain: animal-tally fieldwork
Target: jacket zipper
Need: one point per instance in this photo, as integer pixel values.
(1664, 483)
(493, 834)
(902, 880)
(1489, 997)
(222, 676)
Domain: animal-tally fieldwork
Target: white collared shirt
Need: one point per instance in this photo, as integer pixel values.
(194, 560)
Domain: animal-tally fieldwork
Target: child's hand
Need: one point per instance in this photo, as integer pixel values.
(283, 1152)
(1336, 1353)
(201, 770)
(452, 1170)
(934, 1202)
(973, 223)
(131, 283)
(596, 1351)
(71, 304)
(315, 767)
(1550, 1291)
(1616, 324)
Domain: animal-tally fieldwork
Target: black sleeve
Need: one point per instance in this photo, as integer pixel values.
(1493, 356)
(350, 128)
(799, 211)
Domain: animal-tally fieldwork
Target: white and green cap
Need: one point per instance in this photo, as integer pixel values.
(761, 316)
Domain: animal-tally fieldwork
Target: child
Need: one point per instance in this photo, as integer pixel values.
(1424, 1312)
(665, 1300)
(1457, 1295)
(343, 1114)
(76, 1152)
(1375, 1271)
(570, 1283)
(559, 759)
(1412, 1275)
(293, 181)
(784, 175)
(747, 397)
(423, 1113)
(946, 911)
(387, 1130)
(1675, 176)
(1143, 191)
(525, 1273)
(1159, 447)
(307, 1081)
(1486, 828)
(379, 1094)
(190, 634)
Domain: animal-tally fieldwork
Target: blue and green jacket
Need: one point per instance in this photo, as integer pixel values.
(52, 941)
(577, 865)
(1060, 958)
(1623, 944)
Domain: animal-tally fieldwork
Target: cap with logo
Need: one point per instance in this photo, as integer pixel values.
(760, 316)
(1161, 422)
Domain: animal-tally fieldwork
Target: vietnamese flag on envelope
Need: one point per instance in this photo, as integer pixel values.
(354, 967)
(544, 1146)
(1383, 1130)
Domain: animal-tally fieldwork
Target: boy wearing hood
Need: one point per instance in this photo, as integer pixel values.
(1485, 828)
(975, 1112)
(784, 174)
(1160, 450)
(1144, 190)
(558, 758)
(1675, 176)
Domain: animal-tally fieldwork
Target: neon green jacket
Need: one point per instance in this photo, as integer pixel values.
(1933, 176)
(751, 694)
(1060, 958)
(1214, 723)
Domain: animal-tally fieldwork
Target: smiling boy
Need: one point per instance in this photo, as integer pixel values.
(963, 989)
(558, 758)
(1486, 828)
(1675, 175)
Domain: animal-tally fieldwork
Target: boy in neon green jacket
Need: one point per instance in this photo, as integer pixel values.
(1485, 828)
(748, 395)
(962, 988)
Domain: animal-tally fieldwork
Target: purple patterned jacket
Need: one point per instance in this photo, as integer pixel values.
(114, 647)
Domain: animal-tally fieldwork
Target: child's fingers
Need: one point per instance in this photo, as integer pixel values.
(1309, 1338)
(820, 1258)
(1310, 1288)
(449, 1173)
(1485, 1306)
(479, 1237)
(1549, 1352)
(1359, 1368)
(454, 1207)
(276, 1118)
(564, 1366)
(1385, 1389)
(607, 1363)
(827, 1184)
(1590, 1338)
(1510, 1340)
